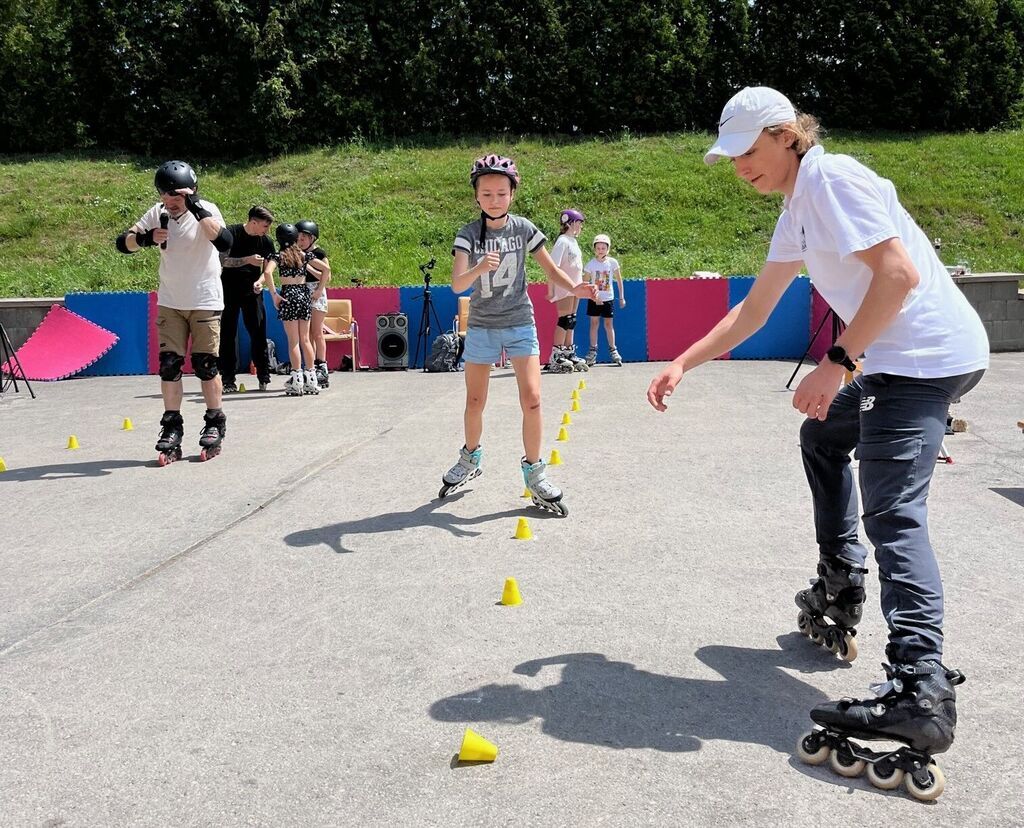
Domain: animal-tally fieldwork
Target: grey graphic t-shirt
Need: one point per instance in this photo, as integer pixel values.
(499, 298)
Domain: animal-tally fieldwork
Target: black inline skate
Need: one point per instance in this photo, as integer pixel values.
(915, 707)
(212, 435)
(837, 594)
(172, 429)
(467, 467)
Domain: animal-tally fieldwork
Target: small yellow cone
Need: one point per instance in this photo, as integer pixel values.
(526, 493)
(127, 425)
(566, 419)
(556, 458)
(563, 435)
(575, 395)
(510, 596)
(575, 406)
(475, 748)
(523, 530)
(73, 442)
(241, 387)
(582, 386)
(3, 465)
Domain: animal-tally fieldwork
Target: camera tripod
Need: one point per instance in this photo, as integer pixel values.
(837, 329)
(13, 371)
(429, 312)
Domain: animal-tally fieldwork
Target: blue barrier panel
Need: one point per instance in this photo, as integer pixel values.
(444, 301)
(630, 324)
(784, 335)
(125, 314)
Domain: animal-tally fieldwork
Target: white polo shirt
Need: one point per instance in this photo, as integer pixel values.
(838, 208)
(190, 266)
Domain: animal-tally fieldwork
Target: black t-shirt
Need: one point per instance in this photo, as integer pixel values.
(239, 280)
(318, 253)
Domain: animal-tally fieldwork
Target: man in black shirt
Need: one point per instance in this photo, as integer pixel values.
(241, 271)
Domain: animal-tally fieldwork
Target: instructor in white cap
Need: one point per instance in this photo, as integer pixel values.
(923, 346)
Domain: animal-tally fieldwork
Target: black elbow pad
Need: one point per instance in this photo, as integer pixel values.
(122, 243)
(222, 241)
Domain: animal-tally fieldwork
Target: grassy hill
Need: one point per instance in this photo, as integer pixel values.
(384, 209)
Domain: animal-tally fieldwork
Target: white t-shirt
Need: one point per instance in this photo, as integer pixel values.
(567, 255)
(603, 275)
(190, 266)
(838, 208)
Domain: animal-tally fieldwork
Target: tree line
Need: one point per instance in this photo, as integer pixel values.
(223, 78)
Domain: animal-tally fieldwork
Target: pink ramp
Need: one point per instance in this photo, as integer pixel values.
(62, 345)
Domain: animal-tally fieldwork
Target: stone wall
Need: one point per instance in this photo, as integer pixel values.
(20, 317)
(1000, 304)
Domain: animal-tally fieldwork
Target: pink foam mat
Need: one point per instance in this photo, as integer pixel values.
(681, 311)
(62, 345)
(367, 303)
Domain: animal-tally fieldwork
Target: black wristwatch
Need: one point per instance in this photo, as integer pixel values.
(838, 355)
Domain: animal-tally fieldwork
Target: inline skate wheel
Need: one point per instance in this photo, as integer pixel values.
(810, 750)
(877, 775)
(803, 623)
(846, 765)
(848, 648)
(937, 784)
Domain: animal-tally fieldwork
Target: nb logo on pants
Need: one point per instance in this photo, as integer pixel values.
(867, 403)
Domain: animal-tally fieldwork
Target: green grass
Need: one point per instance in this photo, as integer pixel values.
(383, 210)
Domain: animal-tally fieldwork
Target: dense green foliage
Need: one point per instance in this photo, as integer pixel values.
(237, 78)
(385, 209)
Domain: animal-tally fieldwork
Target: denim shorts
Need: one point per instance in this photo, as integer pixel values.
(484, 345)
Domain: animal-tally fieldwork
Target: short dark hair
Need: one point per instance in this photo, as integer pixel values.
(261, 213)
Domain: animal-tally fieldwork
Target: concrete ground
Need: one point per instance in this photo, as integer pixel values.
(298, 632)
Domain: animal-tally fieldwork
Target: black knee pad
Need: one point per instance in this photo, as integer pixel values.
(570, 321)
(170, 366)
(205, 366)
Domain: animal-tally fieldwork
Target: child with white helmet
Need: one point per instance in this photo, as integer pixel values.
(490, 257)
(567, 255)
(604, 272)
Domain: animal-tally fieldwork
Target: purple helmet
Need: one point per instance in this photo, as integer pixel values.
(569, 216)
(492, 164)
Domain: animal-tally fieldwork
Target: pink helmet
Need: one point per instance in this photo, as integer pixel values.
(492, 164)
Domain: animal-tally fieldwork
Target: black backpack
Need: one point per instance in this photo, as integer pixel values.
(445, 353)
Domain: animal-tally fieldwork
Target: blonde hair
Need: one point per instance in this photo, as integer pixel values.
(806, 129)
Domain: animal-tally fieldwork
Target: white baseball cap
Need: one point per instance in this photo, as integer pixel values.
(601, 237)
(748, 112)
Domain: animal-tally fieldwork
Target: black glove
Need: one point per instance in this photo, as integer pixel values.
(195, 208)
(144, 239)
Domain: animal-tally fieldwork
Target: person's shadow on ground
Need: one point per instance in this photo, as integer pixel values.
(614, 704)
(70, 471)
(333, 536)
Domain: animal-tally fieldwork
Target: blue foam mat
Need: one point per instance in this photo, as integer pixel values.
(784, 335)
(630, 324)
(125, 314)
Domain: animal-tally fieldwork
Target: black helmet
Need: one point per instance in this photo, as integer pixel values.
(308, 226)
(287, 235)
(174, 175)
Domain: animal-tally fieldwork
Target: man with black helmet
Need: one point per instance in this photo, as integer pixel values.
(309, 234)
(243, 292)
(190, 234)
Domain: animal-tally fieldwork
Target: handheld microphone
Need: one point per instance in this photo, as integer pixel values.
(164, 221)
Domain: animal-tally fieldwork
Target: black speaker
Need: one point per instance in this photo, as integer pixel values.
(392, 341)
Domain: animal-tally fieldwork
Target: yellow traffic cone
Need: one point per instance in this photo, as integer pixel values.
(510, 596)
(582, 386)
(241, 387)
(73, 442)
(127, 425)
(556, 459)
(523, 530)
(475, 748)
(563, 435)
(575, 406)
(3, 465)
(526, 493)
(575, 395)
(566, 419)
